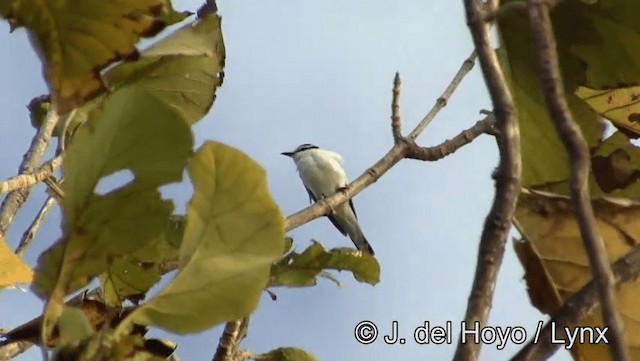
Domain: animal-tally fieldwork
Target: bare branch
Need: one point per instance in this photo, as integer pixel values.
(579, 305)
(484, 126)
(393, 156)
(441, 102)
(30, 179)
(396, 126)
(507, 176)
(14, 200)
(234, 332)
(12, 350)
(30, 233)
(549, 72)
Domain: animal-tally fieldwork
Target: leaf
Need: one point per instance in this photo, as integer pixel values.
(135, 132)
(234, 233)
(611, 56)
(544, 160)
(553, 238)
(183, 70)
(76, 40)
(131, 276)
(74, 326)
(616, 167)
(619, 105)
(286, 354)
(302, 269)
(12, 269)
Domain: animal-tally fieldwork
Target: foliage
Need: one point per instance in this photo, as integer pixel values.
(125, 110)
(600, 71)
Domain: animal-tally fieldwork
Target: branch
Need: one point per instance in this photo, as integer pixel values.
(234, 332)
(31, 178)
(15, 199)
(547, 58)
(484, 126)
(626, 269)
(394, 155)
(507, 177)
(30, 233)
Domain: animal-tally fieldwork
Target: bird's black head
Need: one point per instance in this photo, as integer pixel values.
(300, 148)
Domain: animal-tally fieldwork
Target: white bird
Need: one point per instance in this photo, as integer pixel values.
(322, 175)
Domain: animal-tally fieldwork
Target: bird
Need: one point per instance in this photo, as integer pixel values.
(322, 175)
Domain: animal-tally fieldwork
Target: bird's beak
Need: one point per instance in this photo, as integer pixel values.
(288, 154)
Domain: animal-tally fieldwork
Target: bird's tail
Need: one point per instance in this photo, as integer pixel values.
(361, 242)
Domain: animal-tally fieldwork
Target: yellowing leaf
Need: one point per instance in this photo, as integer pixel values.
(301, 269)
(77, 39)
(12, 269)
(134, 132)
(234, 233)
(616, 168)
(552, 240)
(183, 71)
(619, 105)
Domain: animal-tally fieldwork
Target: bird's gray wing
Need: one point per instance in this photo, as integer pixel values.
(352, 208)
(312, 198)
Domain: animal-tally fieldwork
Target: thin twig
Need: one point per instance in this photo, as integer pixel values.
(232, 335)
(441, 102)
(626, 269)
(30, 179)
(30, 233)
(549, 72)
(507, 177)
(393, 156)
(395, 110)
(14, 200)
(484, 126)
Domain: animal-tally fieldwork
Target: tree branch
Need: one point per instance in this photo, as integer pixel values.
(549, 73)
(30, 179)
(484, 126)
(626, 269)
(14, 200)
(234, 332)
(30, 233)
(507, 176)
(393, 156)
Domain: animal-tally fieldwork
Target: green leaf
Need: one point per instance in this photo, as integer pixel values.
(234, 233)
(286, 354)
(183, 71)
(74, 326)
(544, 159)
(130, 277)
(135, 132)
(76, 40)
(302, 269)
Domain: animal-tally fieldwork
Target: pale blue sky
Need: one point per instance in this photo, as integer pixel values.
(321, 72)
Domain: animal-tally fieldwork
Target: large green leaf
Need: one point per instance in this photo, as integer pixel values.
(544, 160)
(184, 70)
(302, 269)
(135, 132)
(77, 39)
(234, 233)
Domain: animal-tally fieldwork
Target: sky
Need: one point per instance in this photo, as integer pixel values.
(321, 72)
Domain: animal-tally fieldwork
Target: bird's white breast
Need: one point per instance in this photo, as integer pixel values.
(321, 171)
